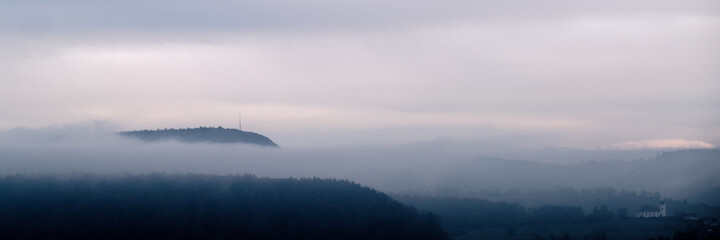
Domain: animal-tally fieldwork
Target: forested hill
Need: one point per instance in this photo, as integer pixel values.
(192, 206)
(202, 134)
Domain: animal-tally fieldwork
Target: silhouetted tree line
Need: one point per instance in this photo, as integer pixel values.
(459, 215)
(585, 198)
(623, 203)
(190, 206)
(201, 134)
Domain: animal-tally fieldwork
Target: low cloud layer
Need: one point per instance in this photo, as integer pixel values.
(664, 143)
(427, 167)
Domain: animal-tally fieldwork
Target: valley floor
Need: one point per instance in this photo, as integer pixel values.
(629, 228)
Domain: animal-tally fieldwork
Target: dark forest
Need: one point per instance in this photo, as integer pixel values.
(191, 206)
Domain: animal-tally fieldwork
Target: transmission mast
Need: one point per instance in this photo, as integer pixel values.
(239, 121)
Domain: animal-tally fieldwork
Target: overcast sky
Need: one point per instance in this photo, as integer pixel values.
(562, 73)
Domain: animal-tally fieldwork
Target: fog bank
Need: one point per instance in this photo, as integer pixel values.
(432, 167)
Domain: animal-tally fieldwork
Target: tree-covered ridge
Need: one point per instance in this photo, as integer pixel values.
(161, 206)
(202, 134)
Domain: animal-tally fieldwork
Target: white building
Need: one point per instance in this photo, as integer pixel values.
(648, 211)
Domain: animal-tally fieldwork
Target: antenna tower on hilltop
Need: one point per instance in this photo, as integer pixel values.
(239, 122)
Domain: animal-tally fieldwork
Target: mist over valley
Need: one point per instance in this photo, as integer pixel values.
(430, 176)
(314, 119)
(442, 167)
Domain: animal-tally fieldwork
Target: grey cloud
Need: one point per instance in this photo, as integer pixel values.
(637, 70)
(57, 17)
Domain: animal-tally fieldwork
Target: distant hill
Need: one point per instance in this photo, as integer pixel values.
(682, 174)
(193, 206)
(201, 134)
